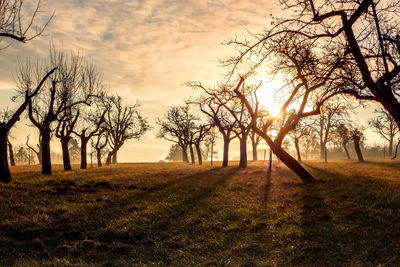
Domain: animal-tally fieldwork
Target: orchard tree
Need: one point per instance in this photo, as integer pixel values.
(64, 91)
(306, 75)
(8, 119)
(220, 116)
(362, 35)
(122, 123)
(385, 125)
(176, 127)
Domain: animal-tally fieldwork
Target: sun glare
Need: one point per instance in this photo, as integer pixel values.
(266, 95)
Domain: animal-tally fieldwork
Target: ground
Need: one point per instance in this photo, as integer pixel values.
(184, 215)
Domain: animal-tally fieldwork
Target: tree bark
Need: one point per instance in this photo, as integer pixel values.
(10, 149)
(391, 146)
(346, 151)
(255, 155)
(84, 142)
(225, 158)
(293, 164)
(243, 151)
(46, 155)
(358, 149)
(114, 157)
(199, 157)
(191, 153)
(296, 145)
(184, 154)
(65, 154)
(98, 155)
(109, 156)
(5, 174)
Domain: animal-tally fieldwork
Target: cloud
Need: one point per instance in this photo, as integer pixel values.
(146, 48)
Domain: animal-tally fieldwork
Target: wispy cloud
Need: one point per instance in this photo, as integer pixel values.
(146, 49)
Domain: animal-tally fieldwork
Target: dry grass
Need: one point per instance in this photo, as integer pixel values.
(178, 214)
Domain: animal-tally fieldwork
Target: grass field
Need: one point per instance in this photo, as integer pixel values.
(183, 215)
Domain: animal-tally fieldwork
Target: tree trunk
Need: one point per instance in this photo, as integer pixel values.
(326, 154)
(358, 149)
(98, 154)
(46, 157)
(114, 157)
(10, 149)
(65, 154)
(243, 151)
(296, 145)
(391, 146)
(83, 153)
(225, 158)
(322, 150)
(346, 151)
(199, 156)
(109, 156)
(5, 174)
(184, 154)
(191, 153)
(255, 155)
(293, 164)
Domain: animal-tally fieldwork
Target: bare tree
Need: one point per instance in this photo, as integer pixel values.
(17, 24)
(344, 132)
(64, 130)
(9, 119)
(90, 123)
(122, 123)
(255, 141)
(362, 35)
(358, 138)
(306, 75)
(224, 95)
(333, 113)
(37, 151)
(302, 129)
(220, 117)
(65, 91)
(176, 127)
(100, 143)
(385, 125)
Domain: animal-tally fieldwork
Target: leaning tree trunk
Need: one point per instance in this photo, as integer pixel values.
(199, 157)
(358, 149)
(46, 156)
(5, 174)
(98, 155)
(84, 142)
(191, 153)
(346, 151)
(65, 154)
(12, 159)
(293, 164)
(255, 155)
(296, 145)
(243, 151)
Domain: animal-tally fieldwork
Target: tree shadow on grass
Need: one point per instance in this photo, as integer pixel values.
(96, 232)
(345, 223)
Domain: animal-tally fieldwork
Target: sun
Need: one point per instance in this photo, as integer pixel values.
(266, 95)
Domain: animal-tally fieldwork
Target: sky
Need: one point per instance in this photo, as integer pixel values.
(146, 51)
